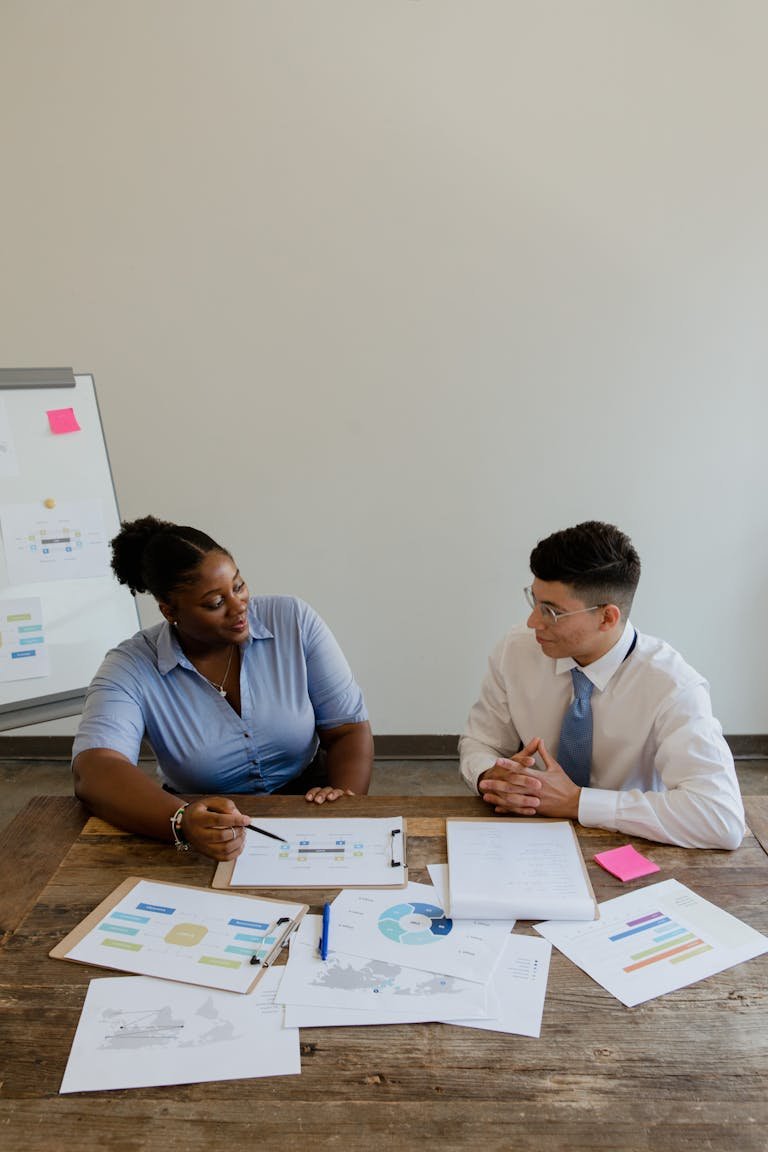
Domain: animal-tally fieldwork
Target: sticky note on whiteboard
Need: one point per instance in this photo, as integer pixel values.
(62, 420)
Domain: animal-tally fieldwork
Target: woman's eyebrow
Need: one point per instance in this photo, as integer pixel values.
(218, 591)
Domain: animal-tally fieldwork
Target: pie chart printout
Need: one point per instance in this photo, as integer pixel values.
(414, 923)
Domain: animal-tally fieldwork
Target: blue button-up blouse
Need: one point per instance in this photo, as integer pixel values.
(294, 680)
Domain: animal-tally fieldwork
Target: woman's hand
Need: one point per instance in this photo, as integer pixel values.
(215, 827)
(320, 795)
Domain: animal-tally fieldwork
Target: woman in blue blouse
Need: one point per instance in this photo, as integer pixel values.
(234, 693)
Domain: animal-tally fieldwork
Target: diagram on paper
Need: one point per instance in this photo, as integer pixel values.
(414, 924)
(197, 937)
(378, 977)
(135, 1031)
(369, 923)
(67, 543)
(328, 852)
(171, 932)
(163, 1028)
(359, 983)
(655, 940)
(23, 652)
(308, 850)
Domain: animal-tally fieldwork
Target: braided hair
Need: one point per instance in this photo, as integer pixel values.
(151, 555)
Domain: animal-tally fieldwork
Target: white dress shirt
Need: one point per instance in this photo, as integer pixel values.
(660, 766)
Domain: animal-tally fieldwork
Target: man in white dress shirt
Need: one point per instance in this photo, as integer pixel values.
(659, 765)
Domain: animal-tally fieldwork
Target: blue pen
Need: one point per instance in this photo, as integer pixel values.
(326, 932)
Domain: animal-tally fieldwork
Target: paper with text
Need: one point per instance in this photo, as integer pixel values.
(517, 868)
(655, 940)
(409, 927)
(518, 985)
(68, 542)
(394, 992)
(187, 934)
(330, 853)
(23, 648)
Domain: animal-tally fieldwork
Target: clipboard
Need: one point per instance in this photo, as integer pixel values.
(523, 907)
(182, 933)
(368, 852)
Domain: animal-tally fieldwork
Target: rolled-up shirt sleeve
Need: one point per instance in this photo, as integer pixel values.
(112, 714)
(335, 694)
(698, 804)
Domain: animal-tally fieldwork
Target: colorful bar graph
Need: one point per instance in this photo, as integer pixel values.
(668, 941)
(691, 954)
(647, 927)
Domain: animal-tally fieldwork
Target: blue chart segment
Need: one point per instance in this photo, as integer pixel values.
(414, 923)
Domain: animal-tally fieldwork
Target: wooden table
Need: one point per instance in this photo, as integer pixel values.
(687, 1071)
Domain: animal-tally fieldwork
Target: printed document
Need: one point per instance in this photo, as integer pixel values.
(655, 940)
(408, 927)
(523, 869)
(393, 992)
(332, 853)
(136, 1032)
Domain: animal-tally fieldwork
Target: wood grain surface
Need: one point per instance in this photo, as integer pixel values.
(756, 808)
(30, 849)
(684, 1073)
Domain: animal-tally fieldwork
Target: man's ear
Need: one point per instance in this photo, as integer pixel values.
(610, 618)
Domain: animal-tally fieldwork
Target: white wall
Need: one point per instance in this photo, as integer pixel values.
(380, 292)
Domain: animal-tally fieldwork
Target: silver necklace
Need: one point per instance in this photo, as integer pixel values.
(220, 688)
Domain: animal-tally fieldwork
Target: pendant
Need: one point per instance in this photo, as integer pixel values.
(222, 691)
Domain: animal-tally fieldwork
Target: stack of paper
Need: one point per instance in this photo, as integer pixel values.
(527, 869)
(397, 958)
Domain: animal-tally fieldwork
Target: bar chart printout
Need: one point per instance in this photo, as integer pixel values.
(655, 940)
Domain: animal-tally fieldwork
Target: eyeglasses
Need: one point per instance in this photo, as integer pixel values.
(551, 615)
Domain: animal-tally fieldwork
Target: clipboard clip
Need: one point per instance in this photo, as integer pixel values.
(396, 848)
(279, 942)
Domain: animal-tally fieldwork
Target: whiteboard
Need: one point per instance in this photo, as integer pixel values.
(61, 607)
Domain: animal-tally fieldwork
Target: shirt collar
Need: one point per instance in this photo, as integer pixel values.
(169, 651)
(601, 671)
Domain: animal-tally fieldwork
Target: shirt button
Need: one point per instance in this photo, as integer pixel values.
(247, 735)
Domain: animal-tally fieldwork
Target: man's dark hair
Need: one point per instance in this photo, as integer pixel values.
(595, 558)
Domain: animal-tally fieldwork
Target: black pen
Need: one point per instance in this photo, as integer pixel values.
(264, 832)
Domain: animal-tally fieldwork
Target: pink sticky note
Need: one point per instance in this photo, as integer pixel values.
(62, 420)
(626, 863)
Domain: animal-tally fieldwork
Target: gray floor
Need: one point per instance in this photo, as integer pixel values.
(22, 779)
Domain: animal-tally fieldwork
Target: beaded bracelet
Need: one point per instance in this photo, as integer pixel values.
(178, 835)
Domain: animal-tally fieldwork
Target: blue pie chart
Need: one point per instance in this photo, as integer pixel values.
(414, 923)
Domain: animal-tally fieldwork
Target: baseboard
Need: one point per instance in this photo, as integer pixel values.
(405, 747)
(751, 747)
(416, 747)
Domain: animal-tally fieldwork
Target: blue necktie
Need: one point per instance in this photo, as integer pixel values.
(575, 751)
